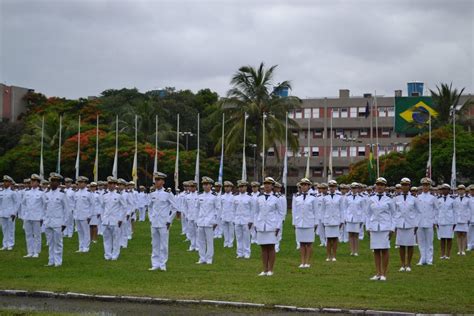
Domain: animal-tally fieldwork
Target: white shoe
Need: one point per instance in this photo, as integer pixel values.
(419, 264)
(28, 256)
(333, 259)
(442, 258)
(208, 262)
(463, 253)
(458, 253)
(447, 258)
(383, 278)
(77, 251)
(152, 268)
(262, 273)
(430, 263)
(10, 248)
(201, 262)
(35, 255)
(327, 259)
(190, 249)
(238, 257)
(3, 248)
(269, 273)
(307, 265)
(49, 265)
(302, 266)
(163, 268)
(57, 265)
(356, 254)
(402, 269)
(85, 250)
(375, 278)
(247, 257)
(408, 269)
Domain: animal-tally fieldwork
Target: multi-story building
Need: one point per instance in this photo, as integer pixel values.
(12, 102)
(353, 132)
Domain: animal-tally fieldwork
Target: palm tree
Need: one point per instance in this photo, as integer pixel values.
(443, 100)
(254, 93)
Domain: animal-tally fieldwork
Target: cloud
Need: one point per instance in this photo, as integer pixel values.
(80, 48)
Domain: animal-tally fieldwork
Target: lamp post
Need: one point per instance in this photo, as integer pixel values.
(187, 134)
(254, 146)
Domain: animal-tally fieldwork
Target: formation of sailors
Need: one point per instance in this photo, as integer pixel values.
(334, 213)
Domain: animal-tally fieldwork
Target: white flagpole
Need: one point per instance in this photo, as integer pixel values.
(377, 134)
(309, 154)
(78, 157)
(196, 170)
(263, 146)
(453, 165)
(221, 165)
(176, 165)
(96, 162)
(58, 166)
(115, 166)
(330, 149)
(285, 159)
(155, 163)
(135, 156)
(428, 169)
(244, 162)
(41, 154)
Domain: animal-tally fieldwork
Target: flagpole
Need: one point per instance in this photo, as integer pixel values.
(285, 159)
(58, 166)
(453, 166)
(155, 163)
(244, 163)
(135, 156)
(330, 148)
(196, 171)
(176, 165)
(96, 162)
(263, 146)
(377, 134)
(308, 157)
(78, 157)
(429, 147)
(221, 164)
(115, 166)
(41, 155)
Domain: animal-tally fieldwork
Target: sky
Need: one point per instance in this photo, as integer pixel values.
(75, 49)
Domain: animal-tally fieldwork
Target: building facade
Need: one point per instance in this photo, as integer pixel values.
(12, 102)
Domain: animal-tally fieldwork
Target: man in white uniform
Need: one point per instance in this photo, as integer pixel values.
(32, 211)
(9, 208)
(227, 214)
(243, 219)
(68, 232)
(83, 208)
(427, 205)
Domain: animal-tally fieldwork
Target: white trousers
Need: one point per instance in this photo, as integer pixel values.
(141, 214)
(242, 234)
(159, 244)
(184, 223)
(206, 244)
(84, 233)
(470, 237)
(8, 232)
(112, 236)
(228, 231)
(32, 236)
(425, 244)
(54, 236)
(124, 230)
(69, 225)
(191, 232)
(218, 229)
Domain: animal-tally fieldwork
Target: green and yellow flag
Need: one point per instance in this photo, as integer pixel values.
(371, 165)
(412, 113)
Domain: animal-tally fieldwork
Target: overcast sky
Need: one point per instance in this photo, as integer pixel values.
(80, 48)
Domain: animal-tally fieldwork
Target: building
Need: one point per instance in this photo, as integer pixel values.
(12, 102)
(352, 134)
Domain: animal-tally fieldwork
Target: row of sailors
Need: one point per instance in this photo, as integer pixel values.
(327, 212)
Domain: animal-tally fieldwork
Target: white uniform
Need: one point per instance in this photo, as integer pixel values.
(190, 208)
(114, 212)
(445, 217)
(470, 234)
(218, 230)
(243, 217)
(320, 230)
(184, 218)
(462, 213)
(126, 227)
(54, 218)
(162, 209)
(305, 217)
(380, 212)
(70, 216)
(332, 214)
(354, 215)
(406, 219)
(227, 219)
(96, 208)
(83, 208)
(427, 205)
(267, 218)
(283, 212)
(33, 206)
(142, 205)
(208, 206)
(253, 230)
(9, 207)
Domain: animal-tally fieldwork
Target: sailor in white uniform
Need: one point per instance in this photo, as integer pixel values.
(427, 205)
(218, 229)
(445, 222)
(470, 234)
(243, 219)
(255, 186)
(9, 208)
(68, 232)
(462, 215)
(33, 206)
(323, 190)
(284, 209)
(227, 214)
(354, 216)
(332, 218)
(83, 207)
(96, 211)
(191, 211)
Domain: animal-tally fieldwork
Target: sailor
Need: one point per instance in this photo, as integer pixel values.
(68, 232)
(227, 214)
(354, 216)
(243, 219)
(95, 212)
(427, 205)
(284, 207)
(323, 190)
(142, 203)
(218, 230)
(33, 206)
(83, 208)
(332, 218)
(462, 215)
(445, 221)
(191, 210)
(9, 208)
(470, 234)
(255, 186)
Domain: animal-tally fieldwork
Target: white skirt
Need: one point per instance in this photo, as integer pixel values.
(464, 227)
(405, 237)
(445, 232)
(380, 239)
(332, 231)
(94, 220)
(353, 227)
(266, 238)
(304, 234)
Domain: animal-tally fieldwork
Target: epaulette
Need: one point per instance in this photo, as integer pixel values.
(214, 193)
(62, 191)
(338, 193)
(314, 194)
(298, 194)
(249, 194)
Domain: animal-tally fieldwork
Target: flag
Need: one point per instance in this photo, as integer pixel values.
(453, 171)
(221, 164)
(155, 162)
(115, 166)
(371, 165)
(409, 111)
(135, 156)
(176, 162)
(41, 154)
(78, 157)
(284, 177)
(96, 162)
(244, 162)
(308, 157)
(58, 165)
(196, 170)
(330, 151)
(367, 110)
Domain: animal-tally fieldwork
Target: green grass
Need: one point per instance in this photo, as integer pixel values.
(447, 286)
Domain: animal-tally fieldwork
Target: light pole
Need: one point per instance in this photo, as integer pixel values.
(254, 146)
(186, 134)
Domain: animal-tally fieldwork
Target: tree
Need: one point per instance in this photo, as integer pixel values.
(443, 99)
(254, 92)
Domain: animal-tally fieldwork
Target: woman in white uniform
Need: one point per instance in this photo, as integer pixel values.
(268, 224)
(446, 223)
(305, 221)
(354, 206)
(380, 211)
(462, 216)
(95, 212)
(332, 217)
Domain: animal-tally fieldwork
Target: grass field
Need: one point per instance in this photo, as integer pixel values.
(447, 286)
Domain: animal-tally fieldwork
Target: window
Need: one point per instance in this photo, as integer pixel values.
(400, 148)
(315, 151)
(343, 151)
(317, 133)
(361, 111)
(335, 152)
(353, 151)
(305, 134)
(296, 134)
(382, 151)
(364, 132)
(391, 111)
(305, 151)
(271, 152)
(354, 112)
(307, 113)
(382, 112)
(291, 114)
(344, 113)
(361, 151)
(290, 153)
(298, 153)
(338, 133)
(338, 171)
(293, 172)
(335, 113)
(315, 112)
(317, 172)
(386, 131)
(298, 114)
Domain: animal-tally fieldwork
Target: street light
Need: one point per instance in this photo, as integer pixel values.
(186, 134)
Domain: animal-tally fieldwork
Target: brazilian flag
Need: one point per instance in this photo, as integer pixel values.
(371, 166)
(413, 113)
